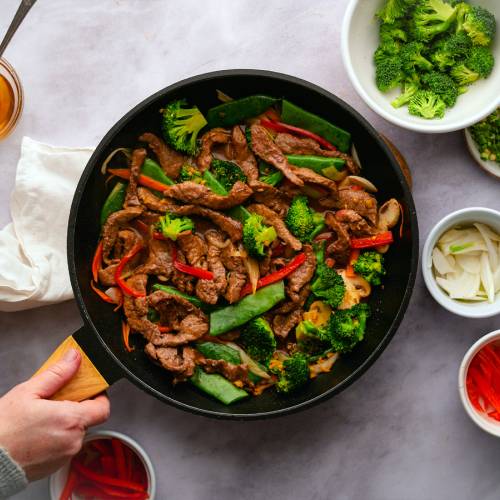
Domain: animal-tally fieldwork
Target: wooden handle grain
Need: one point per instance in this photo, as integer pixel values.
(87, 382)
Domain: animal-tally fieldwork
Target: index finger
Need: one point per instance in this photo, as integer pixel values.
(95, 411)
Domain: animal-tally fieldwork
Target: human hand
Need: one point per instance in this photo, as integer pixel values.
(39, 434)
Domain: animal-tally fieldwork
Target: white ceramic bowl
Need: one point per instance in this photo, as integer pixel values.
(463, 217)
(492, 167)
(486, 423)
(58, 479)
(359, 41)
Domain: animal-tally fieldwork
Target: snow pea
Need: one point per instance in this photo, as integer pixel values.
(217, 386)
(230, 317)
(151, 169)
(233, 112)
(114, 201)
(298, 117)
(328, 167)
(170, 289)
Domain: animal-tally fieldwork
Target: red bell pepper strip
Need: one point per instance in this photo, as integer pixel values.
(100, 491)
(101, 294)
(100, 445)
(143, 180)
(159, 236)
(120, 458)
(290, 129)
(297, 261)
(71, 482)
(126, 336)
(193, 271)
(165, 329)
(96, 262)
(352, 259)
(141, 226)
(373, 241)
(106, 479)
(118, 273)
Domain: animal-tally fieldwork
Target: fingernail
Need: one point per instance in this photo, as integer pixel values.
(70, 355)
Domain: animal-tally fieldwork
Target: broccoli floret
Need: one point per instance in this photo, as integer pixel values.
(393, 9)
(227, 173)
(181, 125)
(447, 51)
(301, 220)
(388, 72)
(172, 226)
(346, 327)
(327, 283)
(311, 339)
(370, 265)
(257, 338)
(293, 373)
(432, 17)
(392, 32)
(257, 236)
(426, 104)
(486, 136)
(479, 24)
(411, 57)
(269, 174)
(442, 85)
(409, 88)
(190, 173)
(479, 64)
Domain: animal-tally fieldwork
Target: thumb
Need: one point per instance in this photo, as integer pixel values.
(48, 382)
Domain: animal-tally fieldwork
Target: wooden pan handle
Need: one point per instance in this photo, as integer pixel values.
(87, 382)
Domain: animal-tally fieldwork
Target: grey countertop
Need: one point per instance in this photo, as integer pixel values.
(397, 433)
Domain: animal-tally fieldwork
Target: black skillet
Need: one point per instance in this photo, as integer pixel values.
(106, 360)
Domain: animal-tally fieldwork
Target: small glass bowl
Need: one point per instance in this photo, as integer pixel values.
(8, 72)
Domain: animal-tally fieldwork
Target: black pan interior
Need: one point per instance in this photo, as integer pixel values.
(388, 304)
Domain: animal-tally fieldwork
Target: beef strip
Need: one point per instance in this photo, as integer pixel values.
(284, 323)
(170, 160)
(340, 249)
(242, 155)
(233, 261)
(182, 281)
(136, 161)
(264, 147)
(112, 226)
(358, 226)
(235, 283)
(272, 218)
(159, 260)
(214, 136)
(302, 275)
(194, 248)
(311, 177)
(265, 264)
(199, 194)
(270, 197)
(181, 364)
(231, 226)
(154, 203)
(291, 145)
(290, 305)
(361, 202)
(228, 370)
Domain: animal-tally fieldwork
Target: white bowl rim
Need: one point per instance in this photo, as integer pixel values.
(484, 422)
(439, 296)
(132, 443)
(436, 128)
(490, 167)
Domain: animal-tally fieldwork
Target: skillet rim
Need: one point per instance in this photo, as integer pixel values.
(91, 164)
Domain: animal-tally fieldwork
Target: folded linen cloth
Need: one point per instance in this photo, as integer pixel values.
(33, 266)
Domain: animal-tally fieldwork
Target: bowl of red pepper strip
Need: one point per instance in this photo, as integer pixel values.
(110, 465)
(479, 383)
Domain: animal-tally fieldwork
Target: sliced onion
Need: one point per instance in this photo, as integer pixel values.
(463, 286)
(492, 251)
(487, 278)
(441, 262)
(115, 294)
(356, 180)
(469, 263)
(246, 359)
(323, 365)
(492, 235)
(496, 279)
(253, 271)
(125, 151)
(355, 156)
(222, 96)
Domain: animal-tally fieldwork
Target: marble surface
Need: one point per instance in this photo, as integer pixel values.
(399, 432)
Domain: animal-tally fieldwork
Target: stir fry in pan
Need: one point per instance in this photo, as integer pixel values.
(240, 245)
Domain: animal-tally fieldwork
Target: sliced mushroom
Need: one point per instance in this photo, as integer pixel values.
(356, 288)
(356, 180)
(388, 216)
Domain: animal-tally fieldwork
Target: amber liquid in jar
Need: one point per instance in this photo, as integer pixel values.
(6, 104)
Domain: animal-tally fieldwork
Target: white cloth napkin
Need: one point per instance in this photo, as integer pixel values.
(33, 266)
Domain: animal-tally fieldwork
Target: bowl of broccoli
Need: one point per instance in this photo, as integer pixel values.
(426, 65)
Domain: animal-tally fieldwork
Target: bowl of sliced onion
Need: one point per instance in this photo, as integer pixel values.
(461, 262)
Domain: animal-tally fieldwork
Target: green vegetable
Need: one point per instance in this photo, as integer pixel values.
(448, 50)
(258, 340)
(426, 104)
(213, 350)
(257, 236)
(486, 135)
(388, 72)
(217, 386)
(237, 111)
(293, 115)
(370, 265)
(301, 220)
(432, 17)
(231, 317)
(329, 167)
(114, 201)
(347, 327)
(311, 338)
(327, 283)
(408, 90)
(181, 125)
(459, 248)
(442, 85)
(293, 373)
(393, 9)
(411, 58)
(171, 225)
(170, 289)
(479, 64)
(269, 174)
(151, 169)
(478, 23)
(227, 173)
(190, 173)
